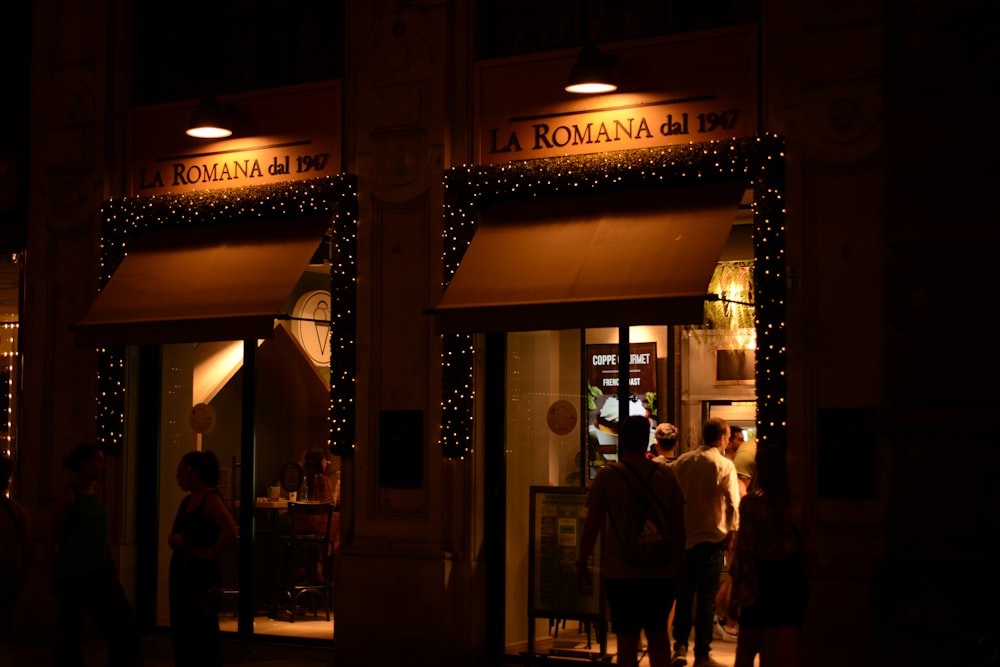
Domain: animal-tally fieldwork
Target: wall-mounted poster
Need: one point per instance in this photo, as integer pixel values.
(602, 392)
(734, 366)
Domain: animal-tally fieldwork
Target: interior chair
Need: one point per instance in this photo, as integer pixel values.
(307, 558)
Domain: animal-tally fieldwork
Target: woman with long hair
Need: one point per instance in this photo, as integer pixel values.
(201, 531)
(321, 491)
(770, 586)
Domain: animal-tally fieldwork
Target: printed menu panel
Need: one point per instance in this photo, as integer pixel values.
(557, 515)
(602, 391)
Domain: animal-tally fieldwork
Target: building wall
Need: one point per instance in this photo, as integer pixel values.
(877, 295)
(414, 550)
(822, 90)
(77, 109)
(940, 237)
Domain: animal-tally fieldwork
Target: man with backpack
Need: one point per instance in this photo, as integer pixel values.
(638, 506)
(711, 499)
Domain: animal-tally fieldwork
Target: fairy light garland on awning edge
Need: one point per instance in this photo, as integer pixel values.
(331, 195)
(760, 160)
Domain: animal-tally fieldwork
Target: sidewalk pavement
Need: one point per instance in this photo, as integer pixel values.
(157, 652)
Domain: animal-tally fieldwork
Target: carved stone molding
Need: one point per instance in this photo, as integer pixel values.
(841, 121)
(402, 125)
(72, 186)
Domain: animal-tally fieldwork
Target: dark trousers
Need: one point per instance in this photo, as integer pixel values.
(698, 587)
(194, 626)
(107, 606)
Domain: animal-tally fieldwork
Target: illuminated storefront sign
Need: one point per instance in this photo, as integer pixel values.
(282, 135)
(630, 127)
(228, 169)
(711, 96)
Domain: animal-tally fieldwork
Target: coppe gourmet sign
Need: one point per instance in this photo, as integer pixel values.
(708, 92)
(234, 168)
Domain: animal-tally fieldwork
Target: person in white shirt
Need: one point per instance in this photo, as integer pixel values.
(711, 498)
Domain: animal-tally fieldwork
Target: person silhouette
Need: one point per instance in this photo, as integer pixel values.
(15, 545)
(83, 574)
(640, 597)
(201, 531)
(711, 498)
(770, 586)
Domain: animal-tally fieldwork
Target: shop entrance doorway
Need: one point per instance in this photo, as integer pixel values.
(216, 329)
(535, 366)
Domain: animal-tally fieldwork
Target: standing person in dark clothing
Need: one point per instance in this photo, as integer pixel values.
(770, 585)
(202, 529)
(15, 548)
(84, 575)
(639, 594)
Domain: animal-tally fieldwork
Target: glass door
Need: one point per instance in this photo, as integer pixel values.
(561, 402)
(206, 391)
(562, 405)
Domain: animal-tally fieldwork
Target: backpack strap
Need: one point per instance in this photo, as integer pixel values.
(640, 487)
(664, 514)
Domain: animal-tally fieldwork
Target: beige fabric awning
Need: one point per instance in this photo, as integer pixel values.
(591, 261)
(193, 284)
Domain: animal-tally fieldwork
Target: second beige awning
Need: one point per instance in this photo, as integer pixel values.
(643, 257)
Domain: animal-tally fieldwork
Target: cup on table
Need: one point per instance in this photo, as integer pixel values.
(293, 496)
(273, 493)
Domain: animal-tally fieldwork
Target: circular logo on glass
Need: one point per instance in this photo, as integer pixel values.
(312, 325)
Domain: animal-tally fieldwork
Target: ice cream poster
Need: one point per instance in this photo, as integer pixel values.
(602, 390)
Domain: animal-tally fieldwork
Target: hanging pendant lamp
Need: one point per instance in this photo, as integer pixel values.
(592, 72)
(209, 120)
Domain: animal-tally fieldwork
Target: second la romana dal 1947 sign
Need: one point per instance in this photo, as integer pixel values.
(670, 91)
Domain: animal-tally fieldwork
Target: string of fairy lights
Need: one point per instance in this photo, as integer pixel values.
(757, 160)
(8, 360)
(332, 195)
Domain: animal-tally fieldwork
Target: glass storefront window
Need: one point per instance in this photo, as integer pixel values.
(202, 407)
(561, 415)
(10, 315)
(553, 423)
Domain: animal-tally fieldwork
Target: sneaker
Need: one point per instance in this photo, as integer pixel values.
(679, 657)
(723, 632)
(707, 661)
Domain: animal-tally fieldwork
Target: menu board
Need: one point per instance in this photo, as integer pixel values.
(557, 515)
(602, 368)
(603, 409)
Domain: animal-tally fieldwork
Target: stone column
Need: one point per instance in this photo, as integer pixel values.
(822, 91)
(402, 587)
(73, 163)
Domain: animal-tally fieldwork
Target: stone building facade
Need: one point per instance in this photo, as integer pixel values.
(884, 111)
